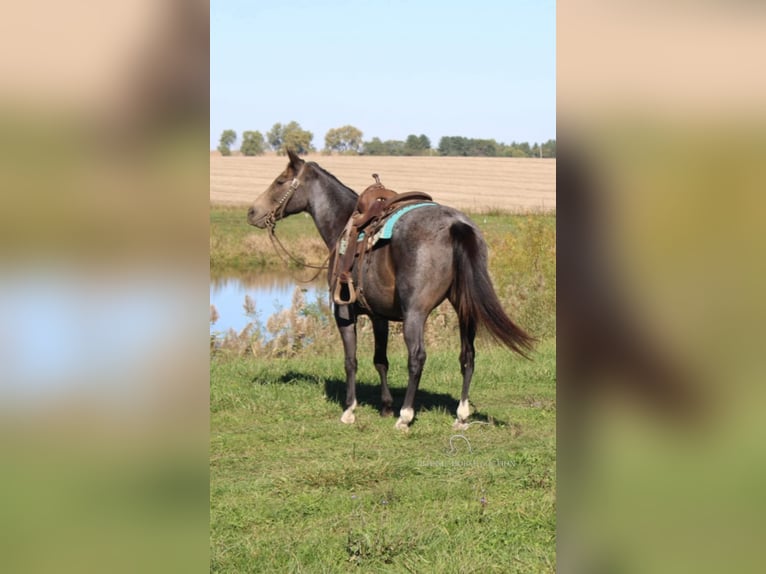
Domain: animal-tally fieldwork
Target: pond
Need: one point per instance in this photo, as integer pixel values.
(270, 292)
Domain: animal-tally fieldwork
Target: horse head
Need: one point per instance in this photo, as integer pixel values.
(286, 195)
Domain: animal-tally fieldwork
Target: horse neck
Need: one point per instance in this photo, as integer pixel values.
(330, 204)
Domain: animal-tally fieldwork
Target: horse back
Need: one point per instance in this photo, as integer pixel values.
(415, 268)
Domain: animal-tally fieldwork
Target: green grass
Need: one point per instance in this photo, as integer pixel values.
(236, 247)
(295, 490)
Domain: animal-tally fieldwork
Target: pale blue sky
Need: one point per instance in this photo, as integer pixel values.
(481, 68)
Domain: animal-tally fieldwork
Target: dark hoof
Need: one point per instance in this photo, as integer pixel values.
(386, 412)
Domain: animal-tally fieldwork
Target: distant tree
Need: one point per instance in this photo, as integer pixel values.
(416, 145)
(298, 139)
(454, 146)
(445, 145)
(252, 143)
(394, 147)
(515, 149)
(484, 148)
(346, 139)
(228, 137)
(509, 150)
(275, 136)
(290, 136)
(458, 146)
(374, 147)
(549, 148)
(388, 147)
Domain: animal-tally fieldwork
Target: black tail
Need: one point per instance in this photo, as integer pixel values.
(474, 297)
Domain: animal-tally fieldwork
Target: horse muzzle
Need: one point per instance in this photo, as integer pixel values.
(259, 220)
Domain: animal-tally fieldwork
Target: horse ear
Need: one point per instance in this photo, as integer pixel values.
(295, 161)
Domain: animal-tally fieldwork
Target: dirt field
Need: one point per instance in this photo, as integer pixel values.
(468, 183)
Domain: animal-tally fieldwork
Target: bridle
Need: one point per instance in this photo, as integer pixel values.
(271, 223)
(279, 211)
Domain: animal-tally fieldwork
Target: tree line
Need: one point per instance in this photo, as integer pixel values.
(349, 140)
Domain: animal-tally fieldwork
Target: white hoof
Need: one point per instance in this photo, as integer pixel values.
(405, 418)
(459, 425)
(348, 416)
(402, 425)
(463, 410)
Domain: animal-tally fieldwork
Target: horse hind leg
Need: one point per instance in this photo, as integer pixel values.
(467, 356)
(380, 360)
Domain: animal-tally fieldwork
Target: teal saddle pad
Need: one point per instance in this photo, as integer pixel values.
(388, 228)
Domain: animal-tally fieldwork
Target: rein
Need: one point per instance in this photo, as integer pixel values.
(271, 223)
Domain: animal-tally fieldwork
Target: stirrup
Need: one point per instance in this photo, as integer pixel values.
(337, 295)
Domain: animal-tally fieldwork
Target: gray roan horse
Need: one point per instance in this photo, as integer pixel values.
(436, 252)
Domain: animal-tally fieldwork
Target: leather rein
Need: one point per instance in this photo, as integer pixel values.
(271, 223)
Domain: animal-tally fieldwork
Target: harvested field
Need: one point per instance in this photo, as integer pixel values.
(473, 184)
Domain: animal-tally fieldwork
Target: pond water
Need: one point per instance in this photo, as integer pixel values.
(269, 291)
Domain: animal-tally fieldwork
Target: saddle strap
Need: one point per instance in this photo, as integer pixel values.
(345, 253)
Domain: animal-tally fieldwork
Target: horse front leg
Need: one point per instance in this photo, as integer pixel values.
(380, 360)
(414, 324)
(346, 322)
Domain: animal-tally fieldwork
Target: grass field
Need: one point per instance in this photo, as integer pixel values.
(475, 184)
(294, 490)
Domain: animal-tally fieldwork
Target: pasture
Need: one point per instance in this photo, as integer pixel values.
(294, 490)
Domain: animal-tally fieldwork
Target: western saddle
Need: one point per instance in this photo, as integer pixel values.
(374, 206)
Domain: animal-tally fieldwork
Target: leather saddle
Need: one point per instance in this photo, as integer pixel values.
(374, 206)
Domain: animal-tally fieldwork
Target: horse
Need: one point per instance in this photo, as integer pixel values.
(435, 253)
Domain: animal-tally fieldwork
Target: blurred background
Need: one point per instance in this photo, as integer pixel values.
(103, 286)
(661, 271)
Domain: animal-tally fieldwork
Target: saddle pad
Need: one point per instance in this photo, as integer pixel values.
(388, 228)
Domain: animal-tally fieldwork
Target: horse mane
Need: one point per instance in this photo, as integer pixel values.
(317, 167)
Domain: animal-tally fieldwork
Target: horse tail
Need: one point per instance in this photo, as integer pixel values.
(472, 293)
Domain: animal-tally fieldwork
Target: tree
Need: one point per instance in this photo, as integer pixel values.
(228, 137)
(252, 143)
(388, 147)
(515, 149)
(275, 136)
(394, 147)
(298, 139)
(549, 148)
(484, 148)
(417, 145)
(290, 136)
(374, 147)
(454, 145)
(346, 139)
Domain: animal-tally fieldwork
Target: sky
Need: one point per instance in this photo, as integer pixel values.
(479, 69)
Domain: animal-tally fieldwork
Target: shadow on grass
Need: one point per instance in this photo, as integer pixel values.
(369, 394)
